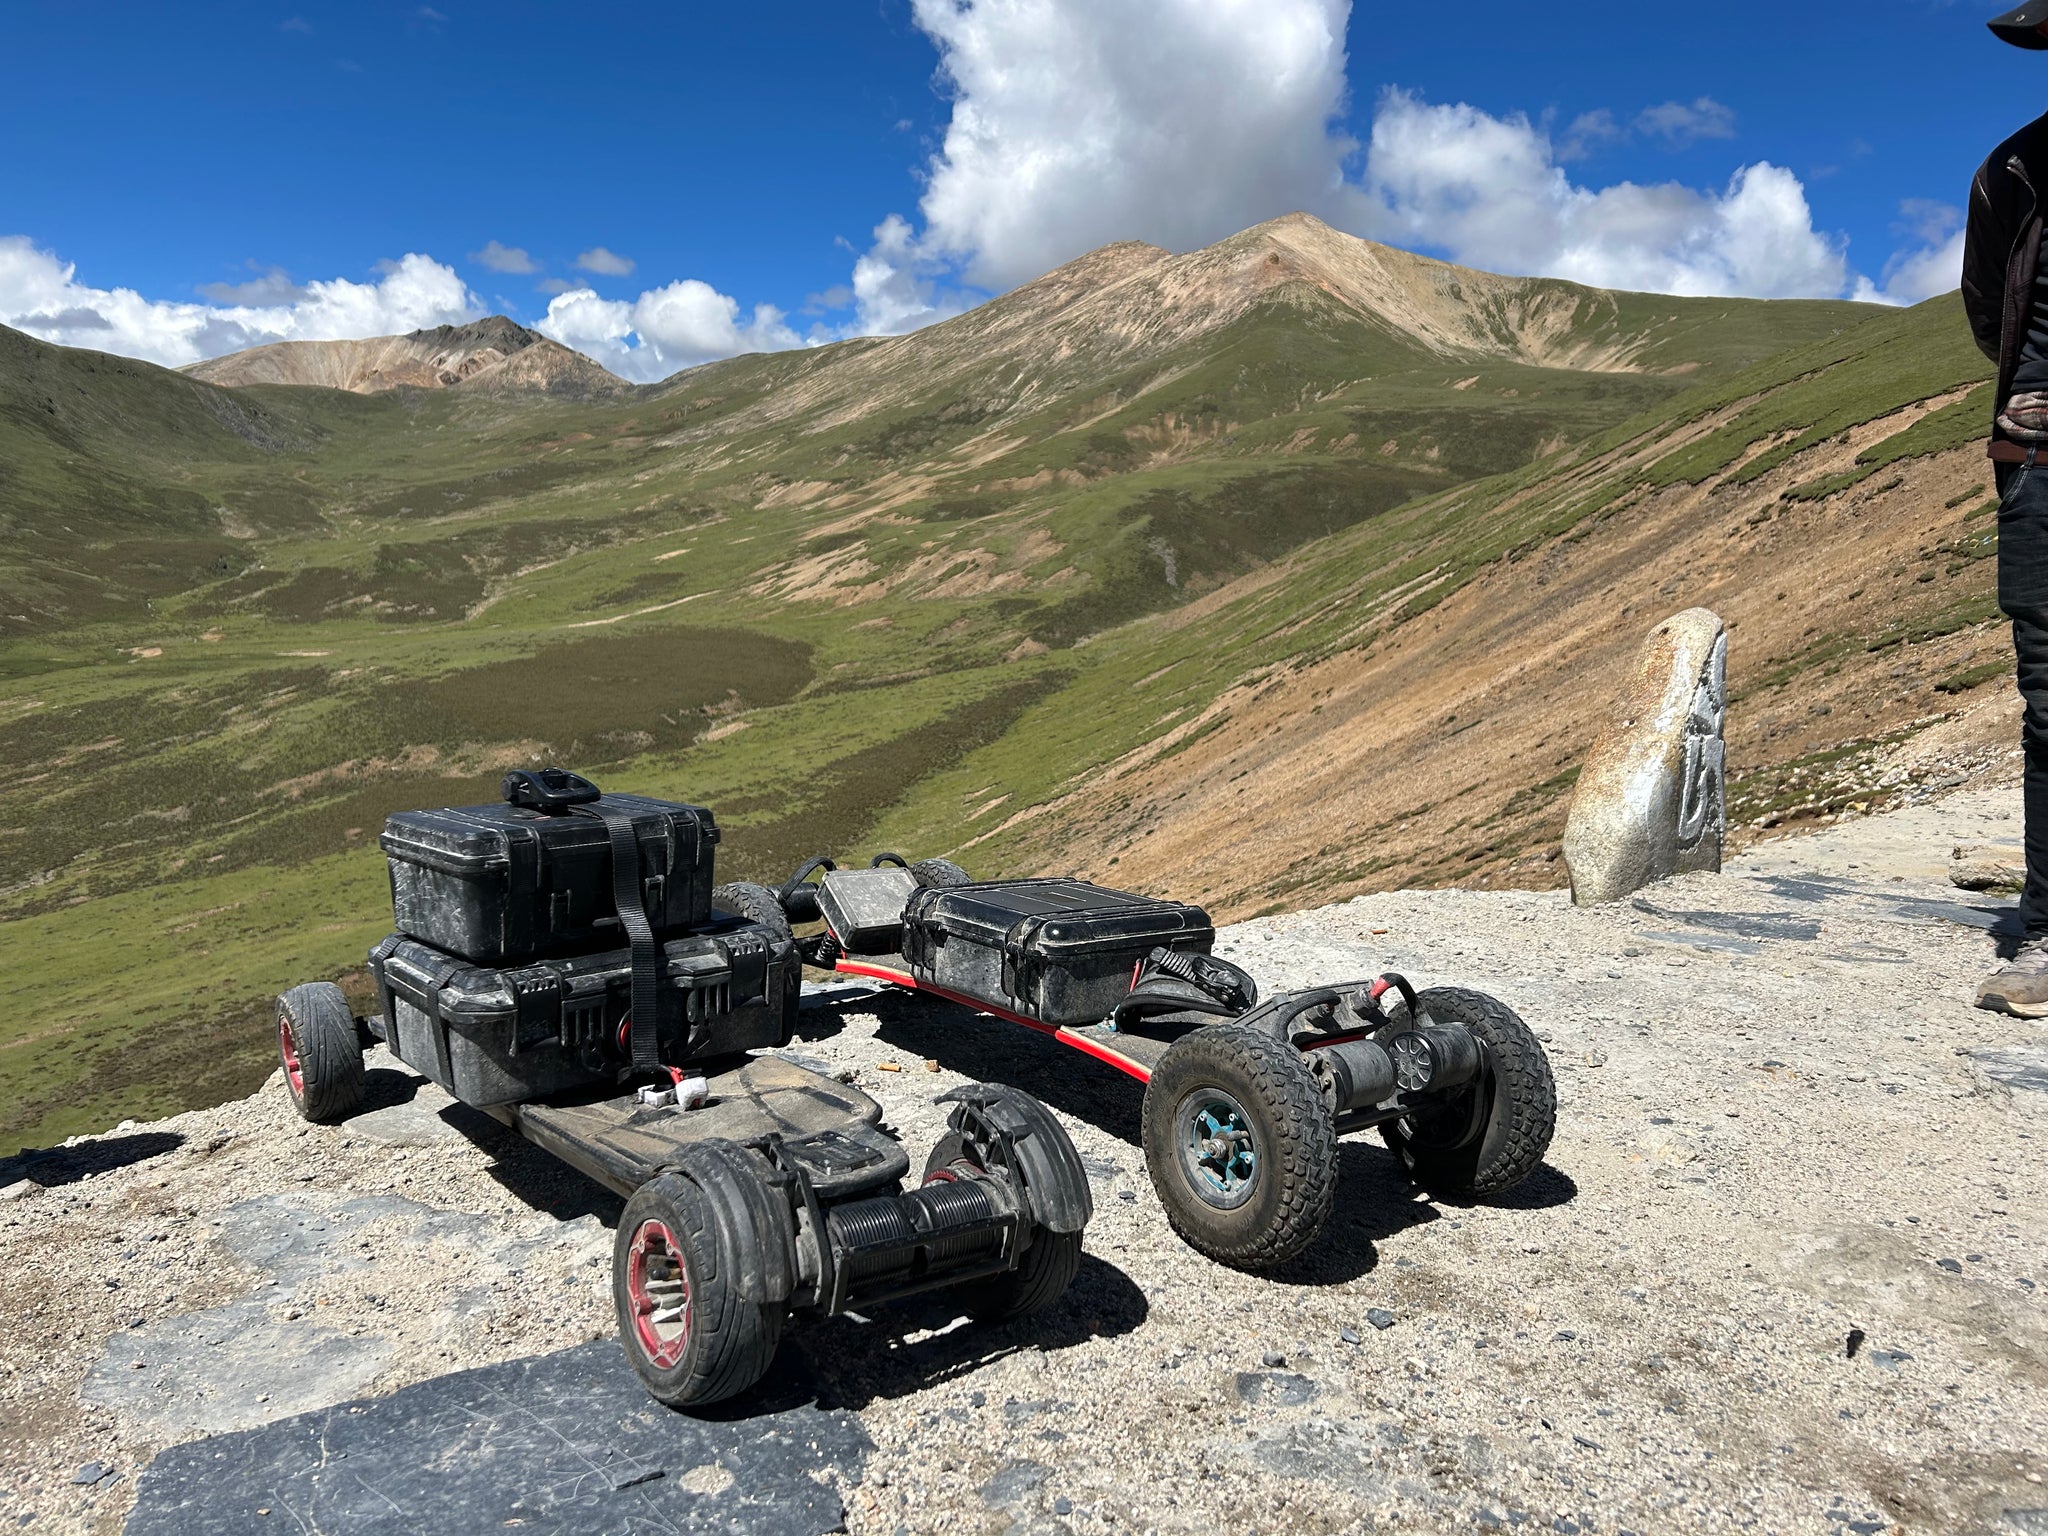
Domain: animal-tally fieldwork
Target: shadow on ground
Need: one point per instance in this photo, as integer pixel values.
(923, 1341)
(989, 1050)
(53, 1166)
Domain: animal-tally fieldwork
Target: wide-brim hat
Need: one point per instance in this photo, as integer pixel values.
(2022, 27)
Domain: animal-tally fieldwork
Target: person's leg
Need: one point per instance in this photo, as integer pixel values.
(2022, 986)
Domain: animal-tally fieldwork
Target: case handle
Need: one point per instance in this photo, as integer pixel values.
(549, 790)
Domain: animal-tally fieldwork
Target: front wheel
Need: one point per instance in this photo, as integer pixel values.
(1045, 1269)
(691, 1336)
(1241, 1146)
(320, 1052)
(1487, 1136)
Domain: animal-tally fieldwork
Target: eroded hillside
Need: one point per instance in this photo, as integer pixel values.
(1414, 707)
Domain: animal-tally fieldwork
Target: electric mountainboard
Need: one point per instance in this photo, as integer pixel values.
(1245, 1097)
(563, 963)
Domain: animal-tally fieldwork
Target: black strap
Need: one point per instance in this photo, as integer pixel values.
(386, 998)
(624, 830)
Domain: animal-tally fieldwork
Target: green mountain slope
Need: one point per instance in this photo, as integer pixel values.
(902, 588)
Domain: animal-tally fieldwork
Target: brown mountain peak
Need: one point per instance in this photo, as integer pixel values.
(494, 355)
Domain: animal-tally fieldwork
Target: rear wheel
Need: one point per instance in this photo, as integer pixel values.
(320, 1052)
(1241, 1146)
(1487, 1136)
(942, 873)
(690, 1334)
(1042, 1274)
(758, 904)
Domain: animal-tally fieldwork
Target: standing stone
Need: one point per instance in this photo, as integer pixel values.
(1652, 798)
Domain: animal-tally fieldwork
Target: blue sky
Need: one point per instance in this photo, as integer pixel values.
(176, 181)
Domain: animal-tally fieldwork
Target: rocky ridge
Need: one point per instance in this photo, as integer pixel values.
(1128, 305)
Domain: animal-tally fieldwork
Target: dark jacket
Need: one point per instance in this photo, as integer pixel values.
(2002, 248)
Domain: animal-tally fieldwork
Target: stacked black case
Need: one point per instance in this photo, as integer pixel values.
(502, 884)
(510, 976)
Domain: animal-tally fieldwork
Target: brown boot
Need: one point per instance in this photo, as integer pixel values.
(2020, 986)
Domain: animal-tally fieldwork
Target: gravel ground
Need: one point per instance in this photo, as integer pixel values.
(1786, 1268)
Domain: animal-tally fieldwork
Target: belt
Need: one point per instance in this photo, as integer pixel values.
(2001, 452)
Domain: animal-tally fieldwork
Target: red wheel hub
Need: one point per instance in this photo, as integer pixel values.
(289, 1050)
(658, 1287)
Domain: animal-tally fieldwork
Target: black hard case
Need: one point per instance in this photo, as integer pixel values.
(1060, 951)
(864, 908)
(500, 884)
(492, 1035)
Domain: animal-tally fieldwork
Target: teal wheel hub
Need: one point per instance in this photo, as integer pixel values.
(1219, 1155)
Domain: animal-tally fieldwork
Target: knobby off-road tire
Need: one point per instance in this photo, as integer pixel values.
(1250, 1215)
(758, 904)
(673, 1250)
(941, 873)
(1042, 1274)
(321, 1055)
(1488, 1137)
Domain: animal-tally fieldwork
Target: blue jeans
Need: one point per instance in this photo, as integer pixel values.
(2023, 594)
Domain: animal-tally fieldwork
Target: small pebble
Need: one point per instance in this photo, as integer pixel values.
(1063, 1505)
(977, 1399)
(89, 1474)
(1348, 1335)
(1272, 1360)
(1126, 1194)
(1380, 1318)
(888, 1066)
(1950, 1265)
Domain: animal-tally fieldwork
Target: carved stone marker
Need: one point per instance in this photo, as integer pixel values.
(1651, 800)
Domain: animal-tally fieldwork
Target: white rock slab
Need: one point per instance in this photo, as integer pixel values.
(1651, 801)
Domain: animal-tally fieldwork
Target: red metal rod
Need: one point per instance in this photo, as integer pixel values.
(895, 978)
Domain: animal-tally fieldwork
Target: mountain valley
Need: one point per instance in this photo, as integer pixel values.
(1265, 574)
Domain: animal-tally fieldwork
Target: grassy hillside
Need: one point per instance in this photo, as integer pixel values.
(896, 591)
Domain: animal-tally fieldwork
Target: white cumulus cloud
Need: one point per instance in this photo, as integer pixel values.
(1932, 264)
(665, 329)
(41, 294)
(1490, 192)
(1179, 122)
(1076, 123)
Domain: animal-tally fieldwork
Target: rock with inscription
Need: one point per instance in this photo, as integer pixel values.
(1651, 800)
